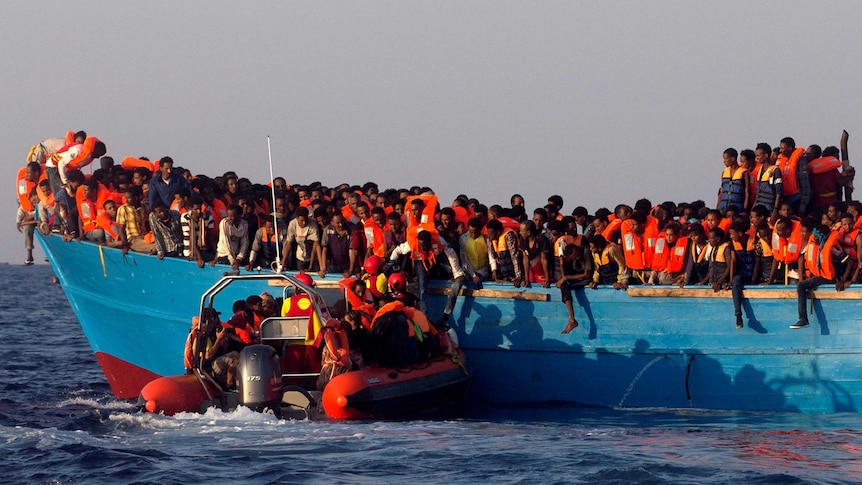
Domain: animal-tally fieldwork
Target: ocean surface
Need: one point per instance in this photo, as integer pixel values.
(60, 424)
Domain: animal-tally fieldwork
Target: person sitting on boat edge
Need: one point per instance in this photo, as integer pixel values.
(199, 241)
(474, 253)
(167, 231)
(425, 248)
(671, 257)
(536, 254)
(742, 265)
(609, 264)
(719, 260)
(577, 272)
(132, 223)
(233, 239)
(826, 263)
(503, 253)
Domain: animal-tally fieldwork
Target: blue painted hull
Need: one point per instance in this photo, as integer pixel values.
(655, 347)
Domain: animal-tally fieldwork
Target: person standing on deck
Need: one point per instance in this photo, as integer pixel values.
(233, 244)
(767, 181)
(795, 187)
(735, 182)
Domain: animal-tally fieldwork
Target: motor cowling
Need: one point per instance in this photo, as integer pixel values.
(259, 383)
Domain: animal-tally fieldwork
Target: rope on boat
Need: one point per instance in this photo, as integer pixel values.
(102, 258)
(687, 374)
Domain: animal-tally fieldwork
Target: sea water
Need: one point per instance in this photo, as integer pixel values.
(60, 424)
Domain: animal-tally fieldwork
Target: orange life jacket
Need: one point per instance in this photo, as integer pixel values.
(788, 250)
(88, 209)
(374, 236)
(818, 260)
(670, 259)
(24, 188)
(848, 241)
(752, 184)
(824, 164)
(499, 245)
(337, 349)
(612, 227)
(633, 247)
(789, 185)
(131, 163)
(429, 257)
(428, 213)
(109, 226)
(85, 156)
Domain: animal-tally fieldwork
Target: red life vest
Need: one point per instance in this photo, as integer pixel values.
(789, 185)
(788, 250)
(300, 306)
(461, 215)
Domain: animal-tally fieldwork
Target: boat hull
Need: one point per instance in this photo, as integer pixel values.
(648, 347)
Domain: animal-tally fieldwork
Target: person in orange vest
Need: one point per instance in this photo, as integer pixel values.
(425, 249)
(823, 173)
(670, 259)
(27, 180)
(107, 221)
(795, 184)
(824, 259)
(90, 199)
(26, 221)
(787, 244)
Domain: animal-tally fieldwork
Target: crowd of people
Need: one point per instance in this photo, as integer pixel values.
(782, 216)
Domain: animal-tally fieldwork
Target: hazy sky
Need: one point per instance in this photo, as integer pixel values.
(601, 102)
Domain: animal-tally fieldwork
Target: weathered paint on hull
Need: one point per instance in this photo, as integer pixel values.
(667, 348)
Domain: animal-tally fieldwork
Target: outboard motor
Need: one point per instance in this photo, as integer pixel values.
(259, 378)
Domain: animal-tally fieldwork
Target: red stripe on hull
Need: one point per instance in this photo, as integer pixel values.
(126, 380)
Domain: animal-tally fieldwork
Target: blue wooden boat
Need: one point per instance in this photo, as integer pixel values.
(655, 347)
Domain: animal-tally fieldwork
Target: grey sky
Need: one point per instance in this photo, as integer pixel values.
(600, 102)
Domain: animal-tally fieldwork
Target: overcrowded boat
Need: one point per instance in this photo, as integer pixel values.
(653, 306)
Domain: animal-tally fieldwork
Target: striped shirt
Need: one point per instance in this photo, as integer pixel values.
(167, 234)
(201, 228)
